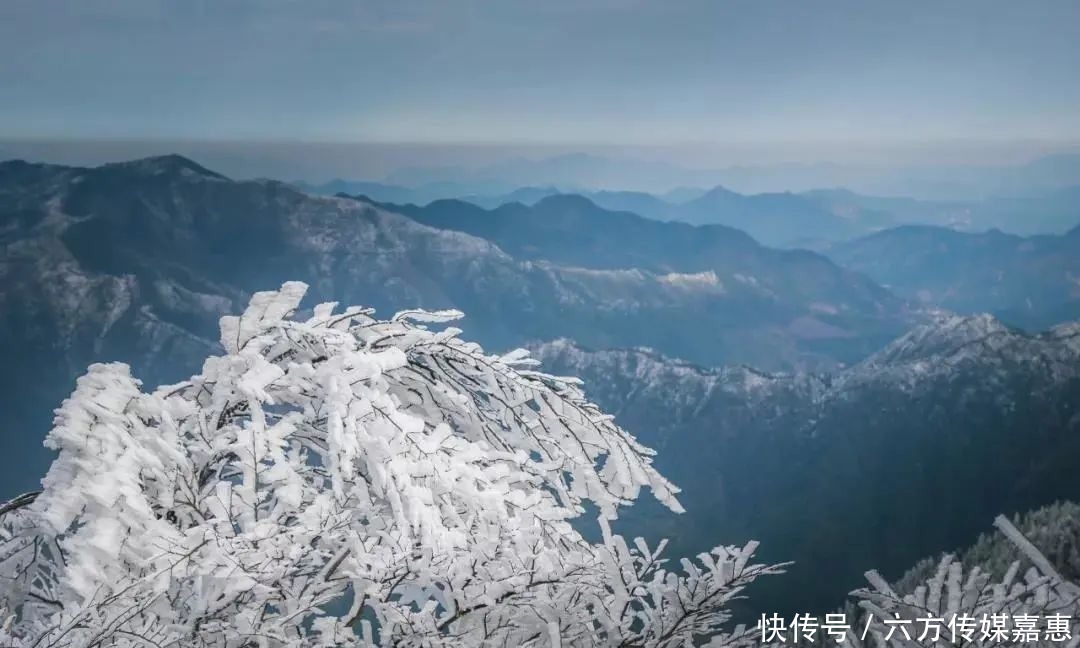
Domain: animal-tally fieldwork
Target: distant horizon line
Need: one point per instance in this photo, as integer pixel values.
(953, 152)
(710, 143)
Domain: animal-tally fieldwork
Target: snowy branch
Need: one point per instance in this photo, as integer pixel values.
(346, 481)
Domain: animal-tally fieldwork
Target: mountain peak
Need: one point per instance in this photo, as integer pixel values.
(946, 334)
(171, 164)
(719, 192)
(566, 200)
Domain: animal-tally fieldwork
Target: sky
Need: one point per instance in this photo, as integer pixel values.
(696, 82)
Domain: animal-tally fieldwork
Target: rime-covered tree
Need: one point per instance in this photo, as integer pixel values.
(1033, 607)
(347, 481)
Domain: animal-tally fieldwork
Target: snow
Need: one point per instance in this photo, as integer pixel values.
(694, 281)
(913, 362)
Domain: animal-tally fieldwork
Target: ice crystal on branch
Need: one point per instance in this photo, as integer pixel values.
(346, 481)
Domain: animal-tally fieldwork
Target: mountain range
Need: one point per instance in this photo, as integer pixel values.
(572, 230)
(487, 171)
(137, 261)
(821, 217)
(1033, 282)
(828, 310)
(779, 219)
(813, 219)
(928, 181)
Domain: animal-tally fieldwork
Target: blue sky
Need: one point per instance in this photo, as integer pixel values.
(555, 71)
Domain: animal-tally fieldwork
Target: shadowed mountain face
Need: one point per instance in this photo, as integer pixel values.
(906, 454)
(137, 261)
(1031, 282)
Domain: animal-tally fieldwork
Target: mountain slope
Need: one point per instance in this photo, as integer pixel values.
(824, 306)
(905, 454)
(1033, 282)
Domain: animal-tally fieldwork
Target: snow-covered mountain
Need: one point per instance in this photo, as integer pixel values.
(905, 454)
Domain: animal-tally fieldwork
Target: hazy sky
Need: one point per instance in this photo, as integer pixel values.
(552, 71)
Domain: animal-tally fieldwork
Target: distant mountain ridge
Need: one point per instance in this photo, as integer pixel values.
(756, 281)
(932, 182)
(500, 174)
(778, 220)
(813, 219)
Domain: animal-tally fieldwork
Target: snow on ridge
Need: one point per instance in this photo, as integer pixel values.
(693, 281)
(979, 341)
(621, 274)
(629, 288)
(328, 223)
(159, 165)
(650, 369)
(953, 344)
(1067, 334)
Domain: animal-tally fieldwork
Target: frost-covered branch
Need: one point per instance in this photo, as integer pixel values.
(15, 503)
(975, 610)
(346, 481)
